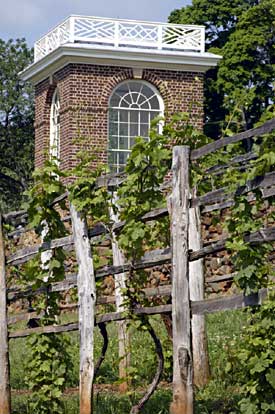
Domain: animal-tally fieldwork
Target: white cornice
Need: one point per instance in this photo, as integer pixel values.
(128, 57)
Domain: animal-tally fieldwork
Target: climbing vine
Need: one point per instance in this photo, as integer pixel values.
(49, 362)
(254, 269)
(140, 192)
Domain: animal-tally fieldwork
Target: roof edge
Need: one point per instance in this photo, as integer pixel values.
(129, 57)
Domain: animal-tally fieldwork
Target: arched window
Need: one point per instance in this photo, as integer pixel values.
(133, 105)
(55, 127)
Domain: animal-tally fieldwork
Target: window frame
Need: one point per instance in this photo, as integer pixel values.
(115, 164)
(54, 150)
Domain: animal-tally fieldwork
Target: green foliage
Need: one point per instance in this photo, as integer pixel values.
(47, 370)
(254, 359)
(147, 166)
(89, 198)
(49, 359)
(16, 123)
(244, 77)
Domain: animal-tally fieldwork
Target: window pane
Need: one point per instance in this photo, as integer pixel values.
(113, 115)
(144, 130)
(154, 103)
(123, 143)
(145, 105)
(114, 102)
(132, 141)
(113, 129)
(134, 116)
(123, 158)
(135, 96)
(123, 129)
(153, 115)
(123, 116)
(134, 130)
(144, 117)
(112, 157)
(147, 91)
(136, 86)
(123, 89)
(113, 142)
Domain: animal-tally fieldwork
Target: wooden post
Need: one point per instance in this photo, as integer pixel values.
(120, 283)
(182, 347)
(5, 396)
(196, 280)
(86, 303)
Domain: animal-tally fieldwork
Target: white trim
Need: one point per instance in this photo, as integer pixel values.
(128, 57)
(118, 109)
(54, 150)
(120, 33)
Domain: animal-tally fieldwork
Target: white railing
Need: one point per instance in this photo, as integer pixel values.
(121, 34)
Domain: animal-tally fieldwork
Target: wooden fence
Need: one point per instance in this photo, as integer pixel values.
(188, 305)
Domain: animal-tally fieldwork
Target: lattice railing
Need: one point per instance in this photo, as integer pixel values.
(121, 34)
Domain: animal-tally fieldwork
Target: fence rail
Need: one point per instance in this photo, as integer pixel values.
(185, 305)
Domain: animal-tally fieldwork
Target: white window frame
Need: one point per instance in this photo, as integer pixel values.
(134, 104)
(55, 127)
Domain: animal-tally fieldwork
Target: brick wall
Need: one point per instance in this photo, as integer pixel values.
(84, 91)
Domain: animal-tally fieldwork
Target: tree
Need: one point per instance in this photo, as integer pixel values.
(16, 123)
(242, 31)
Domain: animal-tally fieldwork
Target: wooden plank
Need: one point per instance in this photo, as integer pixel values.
(22, 333)
(15, 293)
(211, 248)
(266, 193)
(86, 301)
(265, 235)
(150, 259)
(239, 159)
(151, 215)
(23, 255)
(223, 278)
(5, 395)
(222, 195)
(182, 347)
(162, 256)
(225, 303)
(102, 300)
(196, 281)
(108, 317)
(267, 127)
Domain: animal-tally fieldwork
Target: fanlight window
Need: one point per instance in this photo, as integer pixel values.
(55, 127)
(133, 105)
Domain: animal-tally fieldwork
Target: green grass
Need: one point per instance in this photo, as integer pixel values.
(220, 396)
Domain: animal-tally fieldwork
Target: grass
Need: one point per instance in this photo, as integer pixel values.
(220, 396)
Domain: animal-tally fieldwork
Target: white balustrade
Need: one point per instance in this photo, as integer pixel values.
(120, 34)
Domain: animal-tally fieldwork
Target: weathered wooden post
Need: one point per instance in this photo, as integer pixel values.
(5, 396)
(86, 304)
(182, 347)
(196, 281)
(120, 284)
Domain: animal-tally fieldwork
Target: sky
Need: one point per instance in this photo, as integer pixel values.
(32, 19)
